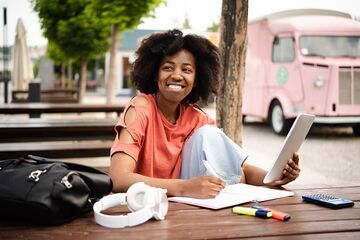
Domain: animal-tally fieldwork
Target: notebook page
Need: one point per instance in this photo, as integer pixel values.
(234, 195)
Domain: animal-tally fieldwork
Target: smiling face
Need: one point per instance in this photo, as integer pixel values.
(176, 76)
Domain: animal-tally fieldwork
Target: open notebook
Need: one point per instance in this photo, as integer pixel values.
(235, 194)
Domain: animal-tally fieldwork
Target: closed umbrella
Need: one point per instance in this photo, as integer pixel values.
(22, 71)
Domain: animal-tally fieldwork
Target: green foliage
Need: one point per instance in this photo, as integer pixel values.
(214, 27)
(6, 52)
(126, 13)
(83, 36)
(186, 24)
(55, 53)
(36, 68)
(51, 12)
(81, 28)
(72, 26)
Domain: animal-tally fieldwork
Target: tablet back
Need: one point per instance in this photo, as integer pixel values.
(292, 143)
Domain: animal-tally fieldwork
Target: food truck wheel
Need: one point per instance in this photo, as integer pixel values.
(243, 118)
(278, 123)
(356, 130)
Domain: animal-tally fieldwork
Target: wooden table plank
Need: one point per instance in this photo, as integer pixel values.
(167, 229)
(189, 222)
(317, 236)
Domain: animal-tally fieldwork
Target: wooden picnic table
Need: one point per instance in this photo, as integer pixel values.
(307, 221)
(39, 108)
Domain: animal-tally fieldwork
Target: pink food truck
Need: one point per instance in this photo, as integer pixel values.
(303, 61)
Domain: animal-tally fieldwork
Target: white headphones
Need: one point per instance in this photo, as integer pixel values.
(142, 200)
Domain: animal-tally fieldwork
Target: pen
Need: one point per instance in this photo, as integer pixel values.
(211, 170)
(252, 212)
(275, 214)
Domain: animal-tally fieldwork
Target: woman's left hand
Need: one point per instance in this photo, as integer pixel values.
(290, 173)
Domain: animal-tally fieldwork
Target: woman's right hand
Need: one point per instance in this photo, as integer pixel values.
(203, 187)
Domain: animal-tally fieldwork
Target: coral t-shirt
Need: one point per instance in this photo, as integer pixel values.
(157, 146)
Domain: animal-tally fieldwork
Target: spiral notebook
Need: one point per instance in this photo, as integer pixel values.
(235, 194)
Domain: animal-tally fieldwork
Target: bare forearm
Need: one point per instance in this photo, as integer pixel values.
(123, 176)
(254, 175)
(122, 181)
(198, 187)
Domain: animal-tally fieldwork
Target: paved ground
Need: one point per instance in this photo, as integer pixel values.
(328, 155)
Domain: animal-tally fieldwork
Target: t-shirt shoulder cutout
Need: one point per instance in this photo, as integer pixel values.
(140, 100)
(130, 116)
(131, 113)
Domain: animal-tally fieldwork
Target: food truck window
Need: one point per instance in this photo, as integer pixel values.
(283, 49)
(330, 46)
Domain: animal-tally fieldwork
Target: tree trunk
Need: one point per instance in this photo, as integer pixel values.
(82, 81)
(62, 77)
(113, 53)
(233, 46)
(70, 74)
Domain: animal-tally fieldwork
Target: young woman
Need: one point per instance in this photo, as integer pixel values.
(164, 139)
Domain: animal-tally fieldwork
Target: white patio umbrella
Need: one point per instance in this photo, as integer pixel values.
(22, 71)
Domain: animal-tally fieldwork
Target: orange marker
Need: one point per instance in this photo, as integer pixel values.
(276, 214)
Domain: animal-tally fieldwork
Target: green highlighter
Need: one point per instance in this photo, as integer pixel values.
(252, 212)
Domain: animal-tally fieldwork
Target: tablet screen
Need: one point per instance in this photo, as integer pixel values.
(292, 143)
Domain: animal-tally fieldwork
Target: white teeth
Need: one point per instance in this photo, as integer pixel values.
(175, 86)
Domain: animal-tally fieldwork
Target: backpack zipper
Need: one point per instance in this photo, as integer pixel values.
(35, 175)
(65, 179)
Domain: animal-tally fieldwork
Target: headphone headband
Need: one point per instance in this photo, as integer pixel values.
(154, 202)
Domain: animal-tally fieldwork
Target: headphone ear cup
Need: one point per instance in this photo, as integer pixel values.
(136, 196)
(160, 203)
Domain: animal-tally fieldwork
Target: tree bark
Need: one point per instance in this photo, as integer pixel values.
(113, 53)
(62, 77)
(233, 44)
(70, 74)
(82, 82)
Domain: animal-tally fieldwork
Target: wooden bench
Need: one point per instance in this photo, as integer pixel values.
(39, 108)
(48, 96)
(35, 129)
(57, 149)
(57, 138)
(36, 109)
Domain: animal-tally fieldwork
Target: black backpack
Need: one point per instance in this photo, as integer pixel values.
(48, 192)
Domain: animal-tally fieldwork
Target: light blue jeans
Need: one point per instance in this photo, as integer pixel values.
(224, 157)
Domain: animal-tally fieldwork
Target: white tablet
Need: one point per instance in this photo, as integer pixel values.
(292, 143)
